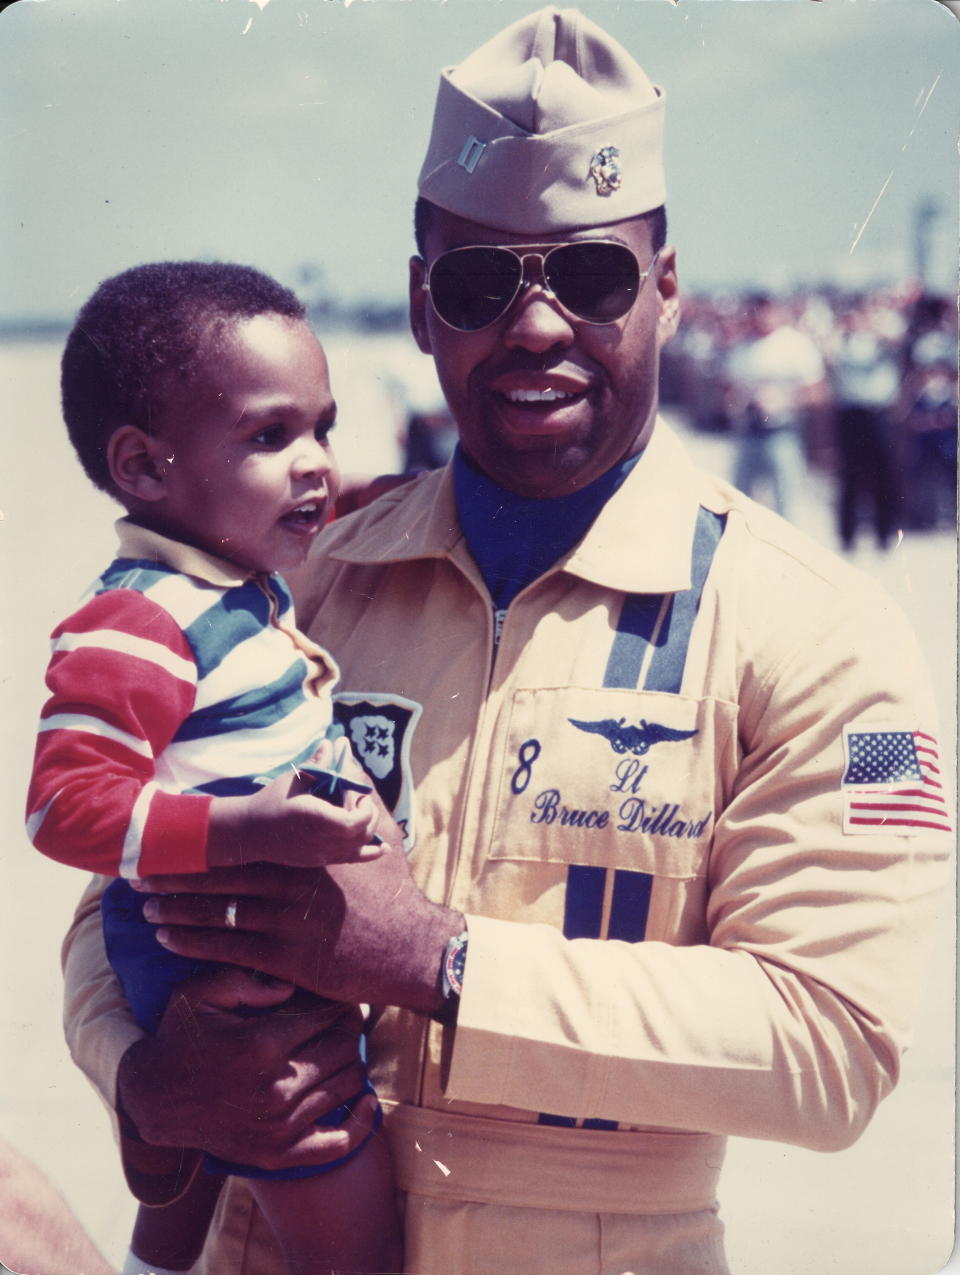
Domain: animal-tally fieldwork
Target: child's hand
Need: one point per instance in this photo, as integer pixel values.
(292, 826)
(335, 758)
(283, 823)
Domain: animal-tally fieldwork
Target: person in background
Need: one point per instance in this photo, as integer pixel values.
(429, 431)
(649, 746)
(865, 383)
(774, 378)
(928, 412)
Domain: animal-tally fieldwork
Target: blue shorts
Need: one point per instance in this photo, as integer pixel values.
(148, 973)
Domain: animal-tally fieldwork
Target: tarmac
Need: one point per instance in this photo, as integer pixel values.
(884, 1207)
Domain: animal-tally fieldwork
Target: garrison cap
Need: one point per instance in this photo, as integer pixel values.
(551, 125)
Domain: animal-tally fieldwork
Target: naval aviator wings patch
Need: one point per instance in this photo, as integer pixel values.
(637, 739)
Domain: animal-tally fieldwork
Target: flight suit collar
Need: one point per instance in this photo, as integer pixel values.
(639, 543)
(641, 540)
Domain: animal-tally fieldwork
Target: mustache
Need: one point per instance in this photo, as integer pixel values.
(526, 361)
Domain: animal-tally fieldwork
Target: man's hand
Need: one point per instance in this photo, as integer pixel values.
(352, 932)
(247, 1088)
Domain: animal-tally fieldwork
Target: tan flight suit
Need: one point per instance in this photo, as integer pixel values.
(640, 801)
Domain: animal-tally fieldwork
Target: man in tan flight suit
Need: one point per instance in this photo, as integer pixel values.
(667, 771)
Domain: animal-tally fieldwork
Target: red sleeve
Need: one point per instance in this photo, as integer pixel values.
(122, 680)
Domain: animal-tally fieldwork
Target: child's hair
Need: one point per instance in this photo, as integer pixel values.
(146, 329)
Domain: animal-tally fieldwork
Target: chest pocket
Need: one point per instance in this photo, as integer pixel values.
(611, 779)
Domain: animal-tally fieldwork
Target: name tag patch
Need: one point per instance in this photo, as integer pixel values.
(611, 776)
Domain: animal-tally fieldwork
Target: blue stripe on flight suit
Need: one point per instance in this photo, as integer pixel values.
(638, 617)
(630, 905)
(583, 904)
(670, 653)
(636, 629)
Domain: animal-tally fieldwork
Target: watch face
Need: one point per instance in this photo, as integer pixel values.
(454, 962)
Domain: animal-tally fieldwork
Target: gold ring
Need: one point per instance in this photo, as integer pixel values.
(230, 918)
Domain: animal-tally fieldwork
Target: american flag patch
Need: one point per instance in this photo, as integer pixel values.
(892, 782)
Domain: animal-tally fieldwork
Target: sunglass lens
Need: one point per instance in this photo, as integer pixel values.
(595, 281)
(471, 287)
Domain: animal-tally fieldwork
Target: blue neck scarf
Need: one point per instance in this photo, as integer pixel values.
(514, 539)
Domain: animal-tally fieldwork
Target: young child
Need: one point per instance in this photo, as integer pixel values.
(184, 701)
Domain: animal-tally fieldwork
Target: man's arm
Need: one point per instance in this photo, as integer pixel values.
(360, 932)
(243, 1088)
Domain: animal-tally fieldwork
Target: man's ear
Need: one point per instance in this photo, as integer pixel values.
(668, 294)
(418, 305)
(134, 460)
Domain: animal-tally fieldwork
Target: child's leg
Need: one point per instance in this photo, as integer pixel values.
(172, 1236)
(342, 1220)
(338, 1222)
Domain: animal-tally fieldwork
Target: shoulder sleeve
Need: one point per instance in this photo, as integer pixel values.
(122, 679)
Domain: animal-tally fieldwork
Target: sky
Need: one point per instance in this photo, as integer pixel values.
(802, 135)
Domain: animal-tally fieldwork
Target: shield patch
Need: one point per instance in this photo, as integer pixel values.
(380, 728)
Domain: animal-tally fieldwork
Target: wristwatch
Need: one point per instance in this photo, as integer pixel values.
(451, 975)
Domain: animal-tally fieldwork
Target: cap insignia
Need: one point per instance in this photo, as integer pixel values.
(605, 170)
(473, 148)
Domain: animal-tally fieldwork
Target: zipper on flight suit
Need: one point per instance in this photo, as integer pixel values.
(497, 621)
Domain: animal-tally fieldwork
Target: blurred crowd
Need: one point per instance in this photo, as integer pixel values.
(860, 386)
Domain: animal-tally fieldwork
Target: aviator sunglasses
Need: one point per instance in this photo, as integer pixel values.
(595, 280)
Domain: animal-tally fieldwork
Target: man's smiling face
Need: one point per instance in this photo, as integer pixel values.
(546, 403)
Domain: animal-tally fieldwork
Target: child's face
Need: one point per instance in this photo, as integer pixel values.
(248, 473)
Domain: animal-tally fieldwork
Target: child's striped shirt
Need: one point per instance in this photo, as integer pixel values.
(180, 678)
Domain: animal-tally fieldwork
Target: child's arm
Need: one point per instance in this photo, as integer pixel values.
(288, 821)
(122, 680)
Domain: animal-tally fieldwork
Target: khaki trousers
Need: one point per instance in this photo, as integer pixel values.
(486, 1197)
(445, 1238)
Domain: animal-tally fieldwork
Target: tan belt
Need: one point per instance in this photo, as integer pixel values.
(545, 1167)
